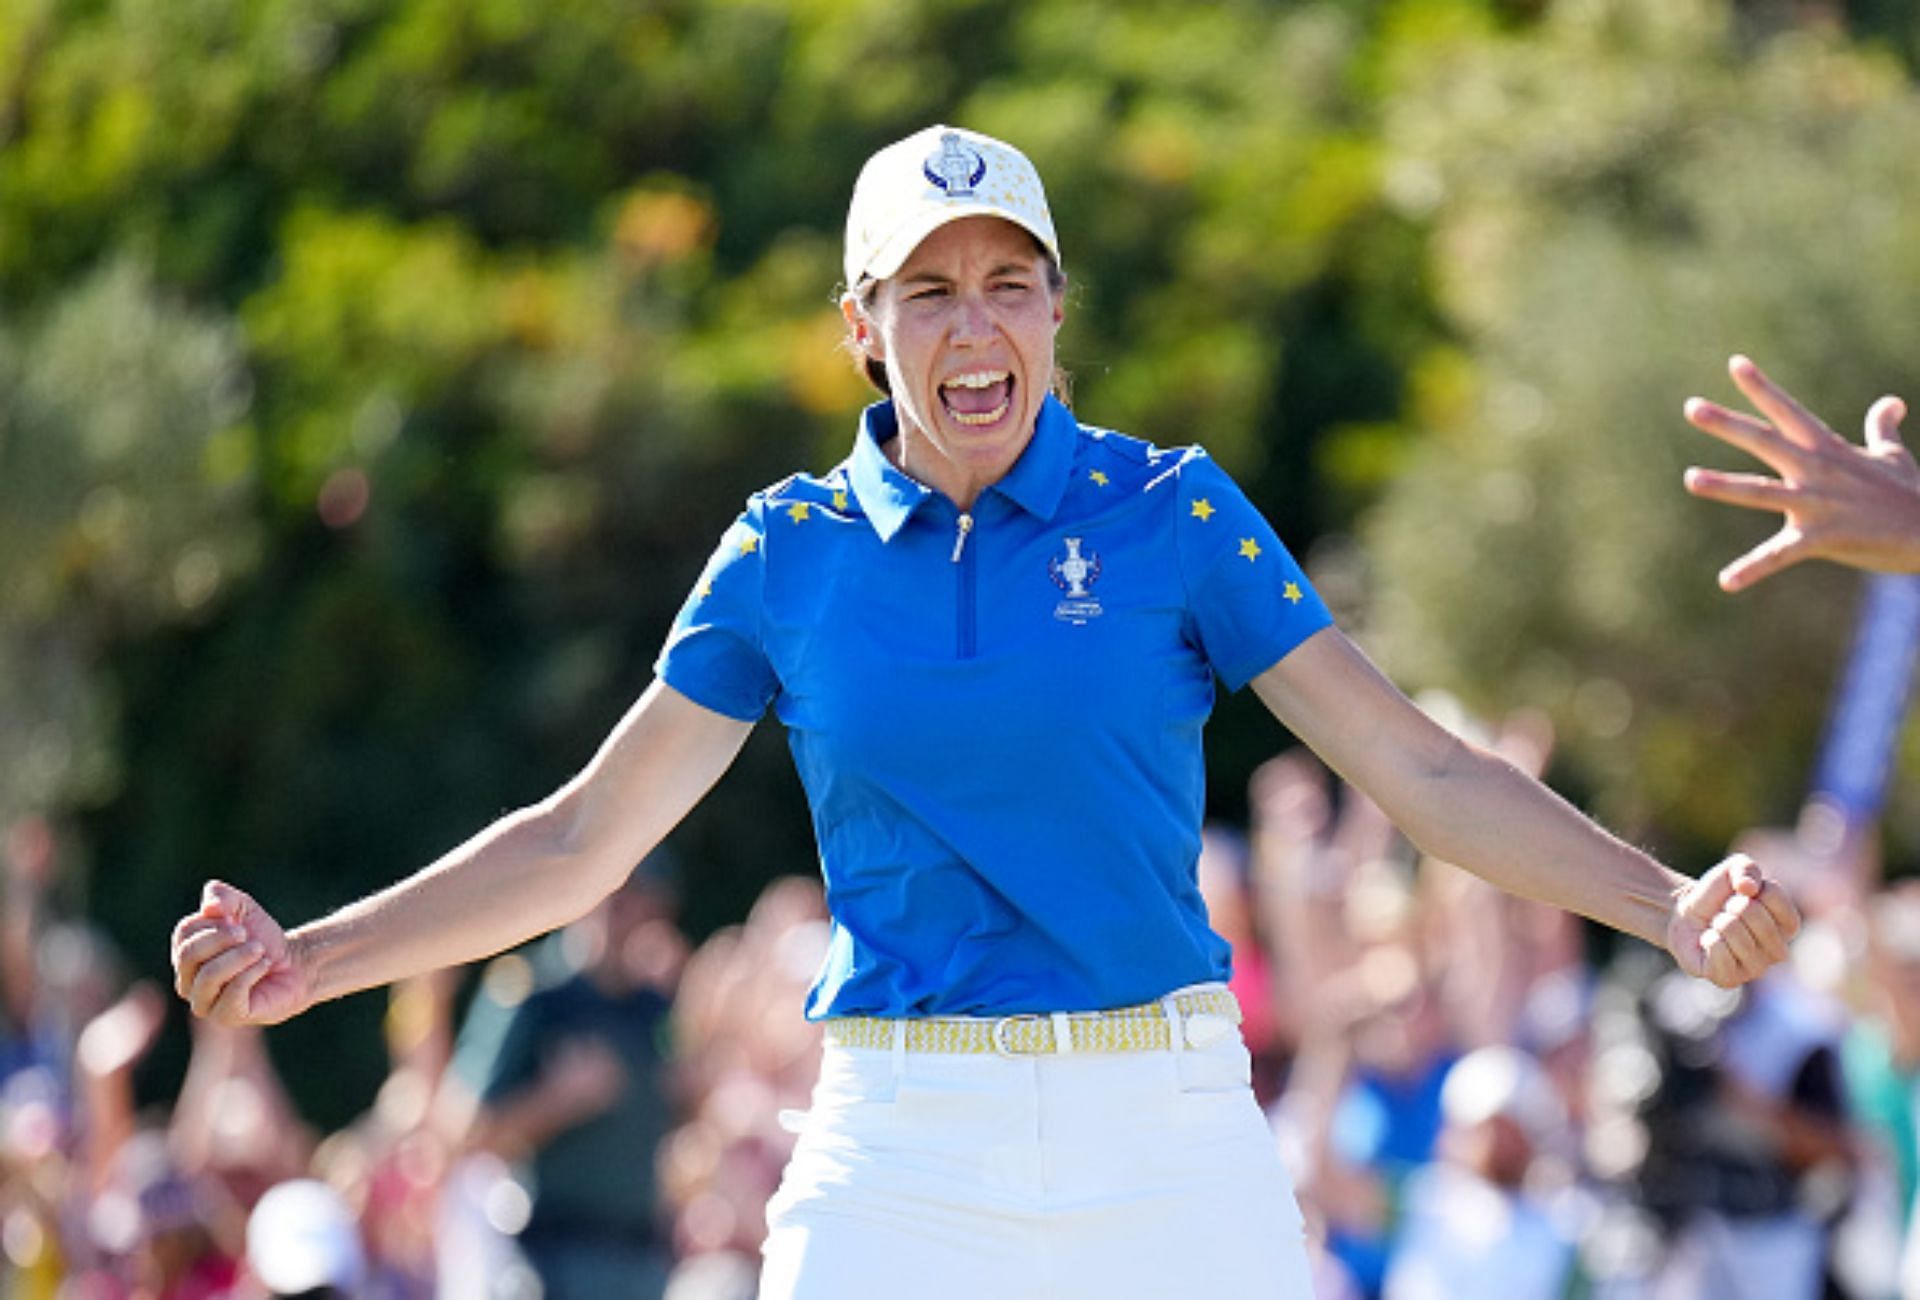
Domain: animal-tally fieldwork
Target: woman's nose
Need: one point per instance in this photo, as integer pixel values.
(972, 321)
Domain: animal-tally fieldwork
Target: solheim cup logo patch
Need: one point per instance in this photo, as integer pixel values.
(1075, 573)
(955, 166)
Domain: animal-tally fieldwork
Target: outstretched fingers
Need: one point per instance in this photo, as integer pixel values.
(1757, 438)
(1883, 425)
(1784, 549)
(1795, 422)
(1755, 491)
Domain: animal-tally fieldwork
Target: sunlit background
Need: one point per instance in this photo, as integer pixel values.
(376, 376)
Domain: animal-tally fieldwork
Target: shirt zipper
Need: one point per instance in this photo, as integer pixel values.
(963, 558)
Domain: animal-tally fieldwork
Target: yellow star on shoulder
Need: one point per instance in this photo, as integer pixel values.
(1202, 509)
(839, 498)
(706, 589)
(1099, 478)
(798, 511)
(1292, 592)
(1250, 549)
(748, 545)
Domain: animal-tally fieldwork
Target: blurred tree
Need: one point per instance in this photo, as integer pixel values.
(123, 492)
(1618, 203)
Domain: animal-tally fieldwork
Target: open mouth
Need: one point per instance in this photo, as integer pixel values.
(979, 397)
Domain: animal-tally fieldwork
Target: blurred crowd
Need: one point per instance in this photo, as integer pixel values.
(1477, 1094)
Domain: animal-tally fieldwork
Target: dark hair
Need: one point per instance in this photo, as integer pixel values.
(1060, 384)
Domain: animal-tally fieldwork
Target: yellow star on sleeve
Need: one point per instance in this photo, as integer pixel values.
(706, 589)
(840, 499)
(1292, 592)
(1250, 549)
(1099, 478)
(798, 511)
(749, 544)
(1202, 509)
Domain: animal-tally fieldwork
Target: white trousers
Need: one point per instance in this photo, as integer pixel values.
(1129, 1176)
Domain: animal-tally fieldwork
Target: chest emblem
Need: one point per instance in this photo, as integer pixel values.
(1075, 573)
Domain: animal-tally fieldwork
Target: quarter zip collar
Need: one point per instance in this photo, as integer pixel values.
(1038, 480)
(887, 496)
(1036, 483)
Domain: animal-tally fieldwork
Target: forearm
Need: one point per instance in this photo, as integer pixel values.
(1460, 803)
(1476, 810)
(521, 1125)
(536, 869)
(524, 875)
(518, 878)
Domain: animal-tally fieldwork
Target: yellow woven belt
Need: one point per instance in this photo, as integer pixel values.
(1123, 1029)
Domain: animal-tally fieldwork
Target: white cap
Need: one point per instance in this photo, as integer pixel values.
(1502, 1081)
(301, 1237)
(914, 186)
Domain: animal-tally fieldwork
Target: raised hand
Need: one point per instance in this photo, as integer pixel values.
(232, 962)
(583, 1078)
(1732, 924)
(1851, 504)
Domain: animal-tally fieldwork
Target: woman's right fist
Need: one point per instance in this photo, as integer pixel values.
(232, 962)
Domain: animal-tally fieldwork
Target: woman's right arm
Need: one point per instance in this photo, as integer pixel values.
(529, 872)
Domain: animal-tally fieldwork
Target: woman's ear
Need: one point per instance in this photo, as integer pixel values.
(860, 328)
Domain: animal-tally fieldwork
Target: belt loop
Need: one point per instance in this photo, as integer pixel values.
(899, 1046)
(1062, 1033)
(1176, 1028)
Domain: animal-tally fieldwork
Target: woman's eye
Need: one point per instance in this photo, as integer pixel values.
(924, 295)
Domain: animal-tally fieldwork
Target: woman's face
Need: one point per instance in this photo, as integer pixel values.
(965, 329)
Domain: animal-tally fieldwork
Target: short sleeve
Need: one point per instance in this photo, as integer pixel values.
(715, 655)
(1249, 603)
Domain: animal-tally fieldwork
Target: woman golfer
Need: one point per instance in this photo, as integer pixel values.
(992, 634)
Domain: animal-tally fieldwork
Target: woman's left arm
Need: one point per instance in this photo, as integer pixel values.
(1465, 805)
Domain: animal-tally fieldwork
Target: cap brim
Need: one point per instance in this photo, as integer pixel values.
(892, 255)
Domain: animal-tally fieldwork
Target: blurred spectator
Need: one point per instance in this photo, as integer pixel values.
(1722, 1114)
(1477, 1221)
(567, 1074)
(391, 1164)
(1361, 1109)
(157, 1224)
(744, 1061)
(1627, 1138)
(303, 1242)
(1880, 1057)
(1223, 878)
(233, 1121)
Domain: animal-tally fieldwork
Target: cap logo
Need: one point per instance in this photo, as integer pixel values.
(955, 166)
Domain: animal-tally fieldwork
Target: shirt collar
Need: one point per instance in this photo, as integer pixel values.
(1038, 479)
(886, 495)
(1036, 483)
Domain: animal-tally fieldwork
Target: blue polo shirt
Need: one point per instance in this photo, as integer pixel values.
(997, 716)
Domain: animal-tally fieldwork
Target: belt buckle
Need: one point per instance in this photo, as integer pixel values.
(1004, 1025)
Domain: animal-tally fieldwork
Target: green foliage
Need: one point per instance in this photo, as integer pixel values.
(122, 508)
(1619, 202)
